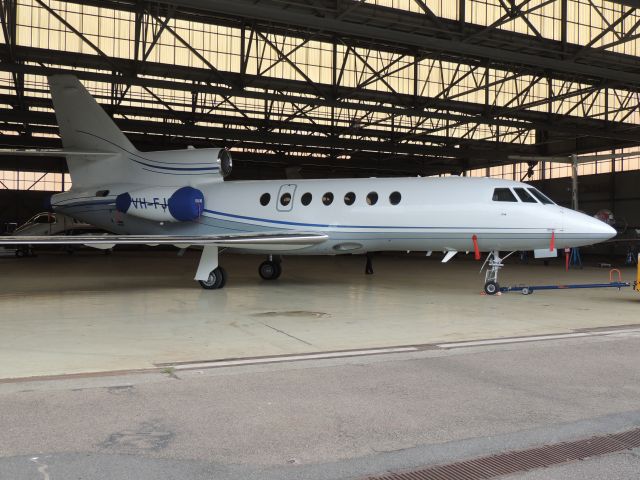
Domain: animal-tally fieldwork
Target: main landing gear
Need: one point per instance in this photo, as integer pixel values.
(211, 276)
(270, 269)
(217, 279)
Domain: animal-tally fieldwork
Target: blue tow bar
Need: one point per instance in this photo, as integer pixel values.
(529, 289)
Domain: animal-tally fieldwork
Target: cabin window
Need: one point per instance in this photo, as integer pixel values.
(349, 198)
(541, 196)
(285, 199)
(102, 193)
(44, 219)
(327, 198)
(524, 195)
(306, 199)
(503, 195)
(265, 199)
(372, 198)
(395, 198)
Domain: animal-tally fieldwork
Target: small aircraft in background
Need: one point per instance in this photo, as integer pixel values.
(180, 198)
(52, 223)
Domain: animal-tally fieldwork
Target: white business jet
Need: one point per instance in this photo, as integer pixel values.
(180, 198)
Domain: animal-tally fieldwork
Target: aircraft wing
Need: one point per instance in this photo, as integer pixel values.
(54, 153)
(258, 241)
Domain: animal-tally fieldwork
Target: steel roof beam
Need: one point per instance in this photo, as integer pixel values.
(196, 79)
(270, 139)
(390, 29)
(404, 30)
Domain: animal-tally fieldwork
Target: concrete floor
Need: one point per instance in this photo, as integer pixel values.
(90, 312)
(332, 419)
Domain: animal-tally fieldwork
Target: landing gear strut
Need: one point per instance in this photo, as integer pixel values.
(491, 285)
(368, 269)
(210, 275)
(217, 279)
(270, 269)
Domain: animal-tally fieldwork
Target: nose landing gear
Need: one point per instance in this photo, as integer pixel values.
(491, 285)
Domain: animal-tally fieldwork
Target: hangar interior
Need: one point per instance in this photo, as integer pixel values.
(304, 89)
(325, 89)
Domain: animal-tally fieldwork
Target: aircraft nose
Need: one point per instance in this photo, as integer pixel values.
(597, 229)
(583, 229)
(607, 231)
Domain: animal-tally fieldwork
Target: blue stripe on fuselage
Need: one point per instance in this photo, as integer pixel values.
(322, 225)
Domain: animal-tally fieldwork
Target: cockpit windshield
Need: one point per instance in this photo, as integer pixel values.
(524, 196)
(541, 196)
(504, 195)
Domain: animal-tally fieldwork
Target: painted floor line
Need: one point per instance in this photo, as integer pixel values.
(614, 332)
(497, 341)
(533, 338)
(290, 358)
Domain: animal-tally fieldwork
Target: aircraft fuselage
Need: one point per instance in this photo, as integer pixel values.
(358, 215)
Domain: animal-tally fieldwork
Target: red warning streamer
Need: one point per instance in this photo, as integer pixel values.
(552, 245)
(476, 250)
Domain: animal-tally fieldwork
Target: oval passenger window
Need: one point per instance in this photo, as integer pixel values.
(372, 198)
(306, 199)
(395, 198)
(327, 198)
(265, 199)
(349, 198)
(285, 199)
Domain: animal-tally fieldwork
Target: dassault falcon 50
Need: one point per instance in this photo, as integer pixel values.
(180, 198)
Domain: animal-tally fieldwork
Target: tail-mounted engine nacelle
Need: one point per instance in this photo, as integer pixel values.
(225, 162)
(185, 204)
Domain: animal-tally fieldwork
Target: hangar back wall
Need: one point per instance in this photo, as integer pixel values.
(618, 192)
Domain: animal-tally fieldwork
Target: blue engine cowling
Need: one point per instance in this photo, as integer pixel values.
(185, 204)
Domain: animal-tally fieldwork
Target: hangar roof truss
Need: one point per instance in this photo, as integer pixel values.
(390, 87)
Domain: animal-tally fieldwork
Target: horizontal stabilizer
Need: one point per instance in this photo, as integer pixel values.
(54, 153)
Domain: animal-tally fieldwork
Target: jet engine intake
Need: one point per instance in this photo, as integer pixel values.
(225, 162)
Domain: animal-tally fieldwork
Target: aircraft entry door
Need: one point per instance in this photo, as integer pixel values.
(286, 196)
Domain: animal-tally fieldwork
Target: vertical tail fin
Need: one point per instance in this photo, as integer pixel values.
(86, 127)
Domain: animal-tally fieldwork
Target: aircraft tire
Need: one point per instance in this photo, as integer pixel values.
(270, 270)
(491, 288)
(217, 279)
